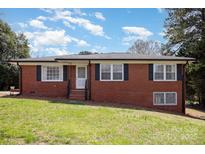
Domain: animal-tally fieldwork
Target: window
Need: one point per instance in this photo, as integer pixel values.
(52, 73)
(170, 98)
(111, 72)
(105, 72)
(170, 72)
(81, 72)
(164, 72)
(164, 98)
(159, 72)
(159, 98)
(117, 72)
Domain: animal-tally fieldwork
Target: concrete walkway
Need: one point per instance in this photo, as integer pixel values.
(4, 93)
(7, 93)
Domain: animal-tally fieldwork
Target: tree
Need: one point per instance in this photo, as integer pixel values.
(185, 32)
(12, 46)
(149, 47)
(87, 53)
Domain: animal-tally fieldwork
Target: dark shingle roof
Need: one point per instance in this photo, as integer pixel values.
(105, 56)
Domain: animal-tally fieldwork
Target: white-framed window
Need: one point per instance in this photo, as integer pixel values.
(164, 98)
(170, 72)
(52, 73)
(111, 72)
(105, 71)
(165, 72)
(158, 72)
(117, 71)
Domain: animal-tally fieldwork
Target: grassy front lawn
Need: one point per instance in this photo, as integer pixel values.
(27, 121)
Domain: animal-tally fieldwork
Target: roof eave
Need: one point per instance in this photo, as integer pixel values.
(130, 59)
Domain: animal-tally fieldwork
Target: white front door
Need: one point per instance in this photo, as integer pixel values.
(81, 76)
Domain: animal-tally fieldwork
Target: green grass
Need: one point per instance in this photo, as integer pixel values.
(27, 121)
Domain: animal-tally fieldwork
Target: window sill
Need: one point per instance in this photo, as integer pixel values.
(52, 81)
(112, 80)
(165, 104)
(165, 80)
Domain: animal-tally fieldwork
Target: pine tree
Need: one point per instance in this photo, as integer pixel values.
(185, 32)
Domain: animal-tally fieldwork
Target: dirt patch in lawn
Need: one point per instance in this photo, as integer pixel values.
(195, 113)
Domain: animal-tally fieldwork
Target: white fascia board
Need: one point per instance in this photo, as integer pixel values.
(136, 62)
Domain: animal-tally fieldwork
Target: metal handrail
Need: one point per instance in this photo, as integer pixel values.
(86, 89)
(68, 88)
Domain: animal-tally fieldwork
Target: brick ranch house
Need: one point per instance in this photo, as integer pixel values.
(148, 81)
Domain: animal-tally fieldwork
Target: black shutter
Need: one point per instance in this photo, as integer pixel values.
(65, 72)
(126, 71)
(97, 71)
(179, 71)
(150, 72)
(38, 72)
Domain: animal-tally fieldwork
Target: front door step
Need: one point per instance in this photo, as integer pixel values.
(77, 94)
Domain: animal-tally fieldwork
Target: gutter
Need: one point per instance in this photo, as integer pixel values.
(89, 64)
(192, 59)
(106, 59)
(184, 88)
(20, 78)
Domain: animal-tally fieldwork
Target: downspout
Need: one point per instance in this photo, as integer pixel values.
(20, 78)
(184, 88)
(89, 97)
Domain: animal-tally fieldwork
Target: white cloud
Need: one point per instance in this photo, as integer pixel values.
(29, 35)
(56, 51)
(61, 14)
(48, 10)
(128, 40)
(140, 32)
(23, 25)
(134, 33)
(162, 34)
(37, 24)
(67, 24)
(41, 18)
(100, 16)
(52, 42)
(32, 48)
(80, 43)
(56, 14)
(107, 37)
(48, 38)
(79, 12)
(98, 48)
(56, 37)
(53, 38)
(68, 19)
(92, 28)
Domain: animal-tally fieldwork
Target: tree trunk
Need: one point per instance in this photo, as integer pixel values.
(203, 101)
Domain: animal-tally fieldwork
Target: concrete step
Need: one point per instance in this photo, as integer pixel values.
(77, 97)
(77, 94)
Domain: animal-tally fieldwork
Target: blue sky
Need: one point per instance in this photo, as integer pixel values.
(68, 31)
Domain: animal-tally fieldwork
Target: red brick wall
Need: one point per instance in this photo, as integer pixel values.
(138, 90)
(30, 86)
